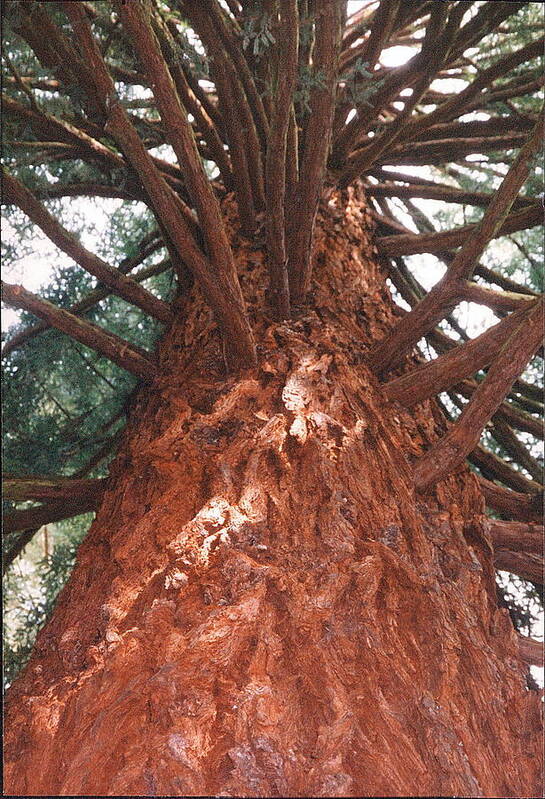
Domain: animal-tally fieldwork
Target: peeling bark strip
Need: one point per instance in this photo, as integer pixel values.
(451, 450)
(516, 536)
(111, 346)
(123, 286)
(443, 297)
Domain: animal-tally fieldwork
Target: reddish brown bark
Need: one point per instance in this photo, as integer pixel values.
(529, 567)
(48, 488)
(516, 536)
(531, 651)
(263, 606)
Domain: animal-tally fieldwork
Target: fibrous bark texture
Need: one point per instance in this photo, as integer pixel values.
(263, 605)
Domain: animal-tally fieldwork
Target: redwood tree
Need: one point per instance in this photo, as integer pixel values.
(289, 586)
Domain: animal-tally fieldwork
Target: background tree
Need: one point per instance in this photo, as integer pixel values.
(289, 586)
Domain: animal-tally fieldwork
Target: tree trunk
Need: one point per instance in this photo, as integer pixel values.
(263, 605)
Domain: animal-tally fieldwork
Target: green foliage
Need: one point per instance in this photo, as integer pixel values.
(257, 35)
(359, 85)
(31, 587)
(309, 80)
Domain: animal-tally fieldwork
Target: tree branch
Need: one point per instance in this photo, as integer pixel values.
(111, 346)
(505, 437)
(287, 60)
(434, 191)
(414, 243)
(528, 567)
(221, 294)
(447, 370)
(521, 507)
(94, 297)
(127, 289)
(34, 518)
(531, 651)
(495, 468)
(498, 301)
(189, 100)
(49, 488)
(244, 143)
(181, 138)
(516, 536)
(302, 214)
(451, 450)
(444, 295)
(514, 417)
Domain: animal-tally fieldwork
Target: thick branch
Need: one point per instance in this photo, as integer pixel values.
(431, 191)
(519, 506)
(440, 151)
(181, 138)
(230, 35)
(515, 417)
(450, 451)
(494, 468)
(516, 536)
(447, 370)
(498, 301)
(94, 297)
(528, 567)
(518, 451)
(50, 488)
(244, 144)
(531, 651)
(275, 169)
(111, 346)
(190, 101)
(316, 147)
(415, 243)
(33, 518)
(220, 292)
